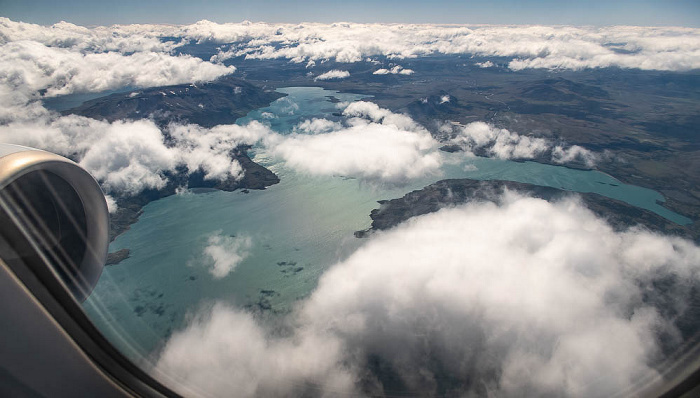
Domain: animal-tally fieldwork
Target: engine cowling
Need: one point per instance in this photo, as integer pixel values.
(52, 212)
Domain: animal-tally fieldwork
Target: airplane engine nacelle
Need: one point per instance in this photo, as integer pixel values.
(52, 212)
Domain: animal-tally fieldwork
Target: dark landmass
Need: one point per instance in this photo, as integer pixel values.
(453, 192)
(207, 104)
(130, 207)
(117, 257)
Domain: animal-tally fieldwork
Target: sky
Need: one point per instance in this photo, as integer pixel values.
(548, 12)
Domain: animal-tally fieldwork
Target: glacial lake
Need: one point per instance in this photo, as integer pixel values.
(297, 229)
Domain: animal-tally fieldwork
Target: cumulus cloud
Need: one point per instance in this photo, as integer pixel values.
(123, 39)
(487, 64)
(375, 144)
(560, 47)
(317, 126)
(31, 66)
(209, 149)
(500, 143)
(360, 110)
(225, 350)
(223, 253)
(125, 156)
(524, 297)
(333, 74)
(573, 153)
(371, 151)
(130, 156)
(503, 144)
(396, 70)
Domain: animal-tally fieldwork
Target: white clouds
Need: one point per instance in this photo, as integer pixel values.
(317, 126)
(209, 148)
(504, 144)
(31, 66)
(370, 151)
(674, 49)
(117, 38)
(130, 156)
(574, 153)
(223, 253)
(126, 157)
(398, 69)
(230, 32)
(501, 143)
(560, 47)
(224, 350)
(372, 111)
(376, 144)
(526, 297)
(333, 74)
(487, 64)
(525, 283)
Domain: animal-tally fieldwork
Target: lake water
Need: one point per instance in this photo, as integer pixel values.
(297, 229)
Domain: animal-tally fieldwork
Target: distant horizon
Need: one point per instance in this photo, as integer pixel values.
(599, 13)
(445, 24)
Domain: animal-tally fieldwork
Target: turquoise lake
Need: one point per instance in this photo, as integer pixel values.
(297, 229)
